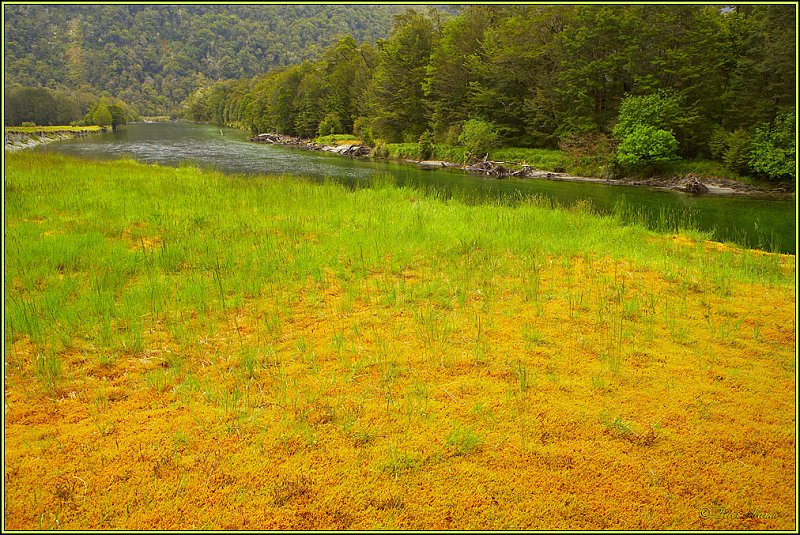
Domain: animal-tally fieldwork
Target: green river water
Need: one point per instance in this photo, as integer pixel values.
(758, 222)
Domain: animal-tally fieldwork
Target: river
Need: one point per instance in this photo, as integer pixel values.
(758, 222)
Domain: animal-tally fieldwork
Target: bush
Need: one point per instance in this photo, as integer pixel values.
(661, 111)
(478, 137)
(426, 146)
(646, 145)
(362, 130)
(380, 150)
(773, 150)
(102, 115)
(718, 143)
(330, 124)
(590, 153)
(452, 134)
(28, 123)
(737, 151)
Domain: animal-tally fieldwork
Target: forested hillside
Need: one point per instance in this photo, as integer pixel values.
(641, 83)
(154, 56)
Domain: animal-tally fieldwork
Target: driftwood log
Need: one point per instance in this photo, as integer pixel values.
(692, 185)
(354, 151)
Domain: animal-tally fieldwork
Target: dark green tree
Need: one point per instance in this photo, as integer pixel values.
(396, 107)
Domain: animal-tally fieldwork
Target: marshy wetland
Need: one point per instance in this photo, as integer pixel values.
(186, 349)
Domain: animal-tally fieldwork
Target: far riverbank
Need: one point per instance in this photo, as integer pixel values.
(690, 182)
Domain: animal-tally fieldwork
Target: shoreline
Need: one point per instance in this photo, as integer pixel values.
(690, 183)
(15, 140)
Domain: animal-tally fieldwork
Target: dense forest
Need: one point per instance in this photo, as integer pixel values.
(644, 82)
(154, 56)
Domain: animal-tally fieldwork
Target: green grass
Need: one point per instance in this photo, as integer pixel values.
(709, 169)
(95, 253)
(227, 331)
(555, 160)
(544, 159)
(403, 151)
(49, 129)
(336, 139)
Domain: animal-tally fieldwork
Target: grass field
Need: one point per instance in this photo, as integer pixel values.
(187, 350)
(51, 129)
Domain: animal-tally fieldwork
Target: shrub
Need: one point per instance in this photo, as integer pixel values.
(28, 123)
(330, 124)
(718, 143)
(661, 111)
(362, 130)
(478, 137)
(380, 150)
(590, 153)
(452, 134)
(102, 115)
(737, 152)
(647, 145)
(773, 150)
(426, 146)
(645, 129)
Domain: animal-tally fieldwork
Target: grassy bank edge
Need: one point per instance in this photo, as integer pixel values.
(53, 129)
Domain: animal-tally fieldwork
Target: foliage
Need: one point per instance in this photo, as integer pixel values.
(773, 150)
(590, 153)
(540, 74)
(118, 114)
(102, 115)
(660, 110)
(737, 151)
(478, 137)
(330, 124)
(394, 97)
(645, 127)
(155, 56)
(363, 131)
(426, 146)
(646, 145)
(380, 150)
(40, 106)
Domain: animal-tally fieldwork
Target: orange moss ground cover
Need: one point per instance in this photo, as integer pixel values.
(605, 396)
(185, 349)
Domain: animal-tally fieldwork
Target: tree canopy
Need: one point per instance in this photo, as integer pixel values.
(154, 56)
(660, 81)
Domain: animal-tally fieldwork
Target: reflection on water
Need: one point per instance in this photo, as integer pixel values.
(756, 222)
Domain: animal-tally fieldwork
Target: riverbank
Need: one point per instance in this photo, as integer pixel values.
(694, 183)
(269, 353)
(26, 137)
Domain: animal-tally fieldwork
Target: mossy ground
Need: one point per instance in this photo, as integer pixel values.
(187, 350)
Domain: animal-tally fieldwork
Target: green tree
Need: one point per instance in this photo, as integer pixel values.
(644, 129)
(395, 95)
(660, 110)
(478, 136)
(447, 81)
(646, 145)
(773, 151)
(426, 146)
(330, 124)
(118, 115)
(102, 115)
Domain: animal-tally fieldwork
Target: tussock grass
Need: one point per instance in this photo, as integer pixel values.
(266, 353)
(49, 129)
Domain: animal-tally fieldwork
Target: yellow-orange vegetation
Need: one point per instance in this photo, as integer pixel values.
(605, 396)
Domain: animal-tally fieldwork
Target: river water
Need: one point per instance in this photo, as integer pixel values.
(758, 222)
